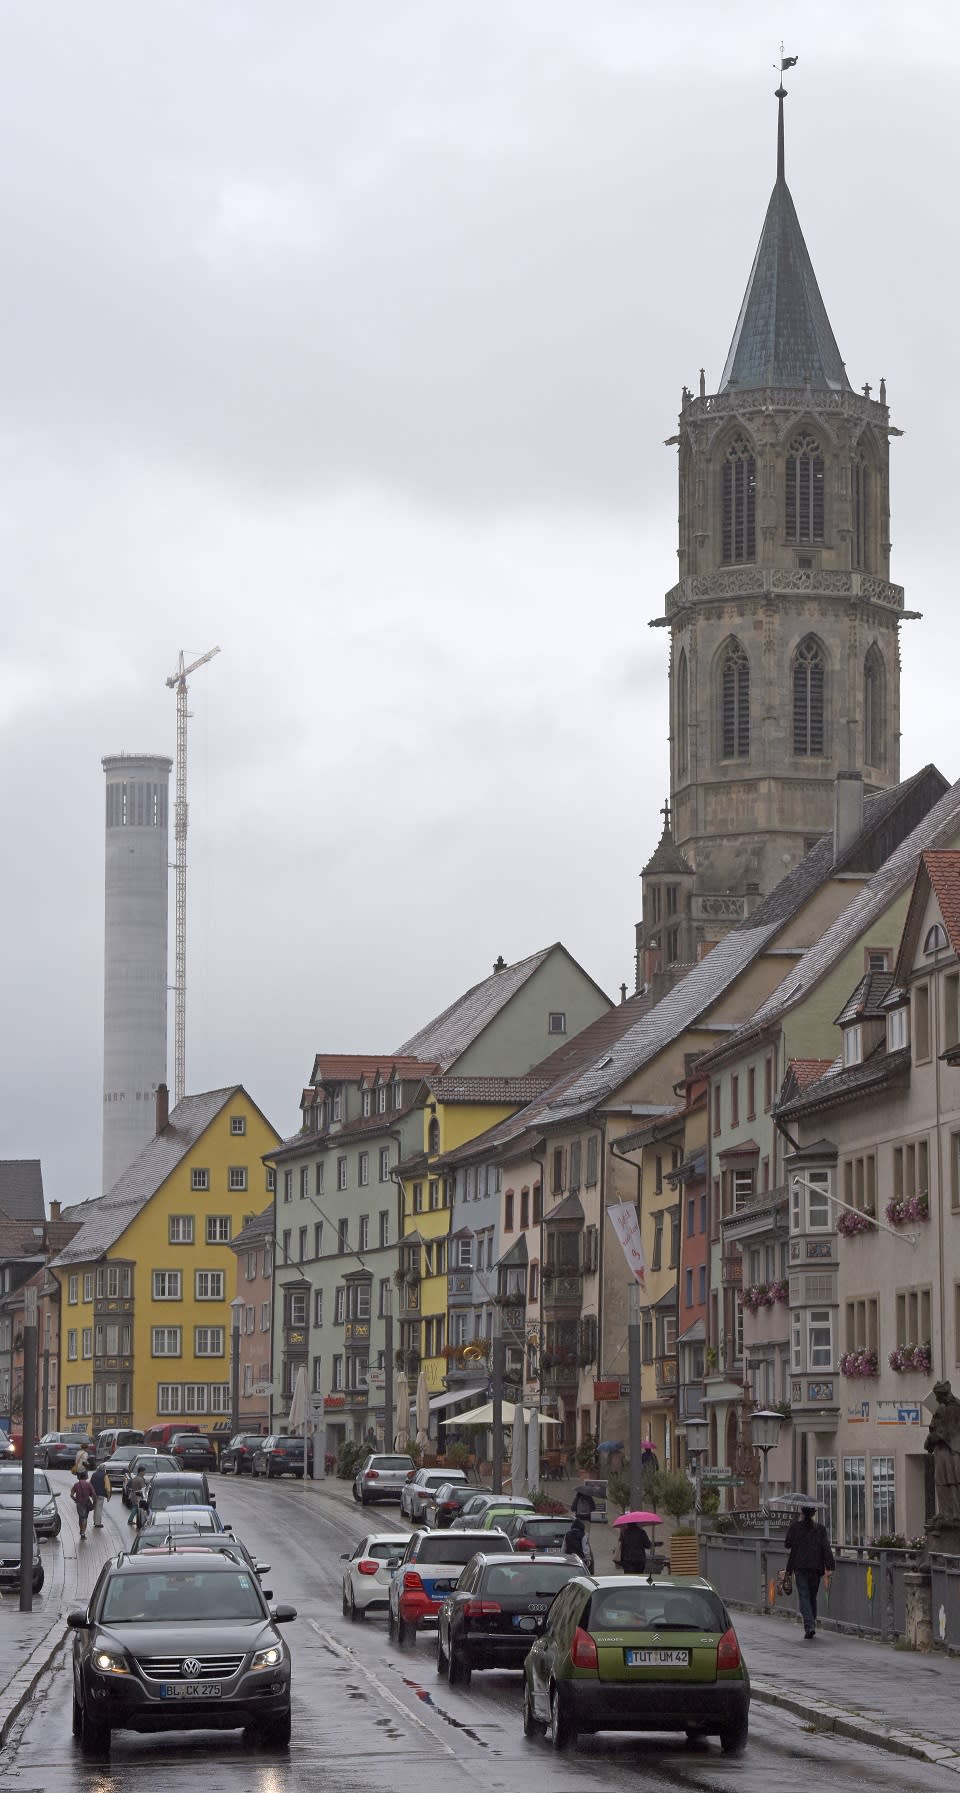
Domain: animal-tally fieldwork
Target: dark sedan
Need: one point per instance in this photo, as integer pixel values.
(193, 1451)
(449, 1501)
(58, 1450)
(278, 1456)
(156, 1542)
(10, 1554)
(236, 1458)
(498, 1608)
(183, 1643)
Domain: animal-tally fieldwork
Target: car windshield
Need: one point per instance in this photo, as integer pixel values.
(449, 1547)
(528, 1578)
(11, 1479)
(649, 1607)
(159, 1596)
(176, 1497)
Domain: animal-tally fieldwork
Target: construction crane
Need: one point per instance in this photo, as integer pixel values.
(178, 683)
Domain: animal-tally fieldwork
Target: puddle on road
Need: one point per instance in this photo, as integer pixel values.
(426, 1697)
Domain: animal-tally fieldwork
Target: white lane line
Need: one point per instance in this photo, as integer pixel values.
(384, 1692)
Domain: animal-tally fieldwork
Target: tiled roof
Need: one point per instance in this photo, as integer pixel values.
(21, 1188)
(362, 1126)
(866, 1002)
(108, 1218)
(486, 1089)
(449, 1034)
(18, 1238)
(808, 1070)
(943, 870)
(515, 1254)
(570, 1208)
(667, 857)
(256, 1231)
(844, 1083)
(349, 1067)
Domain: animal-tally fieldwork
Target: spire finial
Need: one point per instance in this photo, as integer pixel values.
(781, 94)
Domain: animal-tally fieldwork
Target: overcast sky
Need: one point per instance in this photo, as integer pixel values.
(347, 338)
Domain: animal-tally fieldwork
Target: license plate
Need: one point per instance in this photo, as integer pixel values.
(657, 1658)
(190, 1690)
(524, 1624)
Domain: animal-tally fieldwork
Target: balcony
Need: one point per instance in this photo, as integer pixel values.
(560, 1375)
(562, 1291)
(459, 1287)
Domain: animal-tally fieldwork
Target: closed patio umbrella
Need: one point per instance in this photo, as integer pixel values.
(402, 1399)
(533, 1452)
(518, 1453)
(423, 1409)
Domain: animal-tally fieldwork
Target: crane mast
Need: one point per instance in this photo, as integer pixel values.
(178, 683)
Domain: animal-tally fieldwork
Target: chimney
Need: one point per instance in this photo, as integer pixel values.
(54, 1210)
(501, 964)
(163, 1106)
(847, 811)
(623, 992)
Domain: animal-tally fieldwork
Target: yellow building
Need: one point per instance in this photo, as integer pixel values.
(145, 1318)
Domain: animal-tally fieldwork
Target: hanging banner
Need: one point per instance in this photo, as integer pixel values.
(626, 1225)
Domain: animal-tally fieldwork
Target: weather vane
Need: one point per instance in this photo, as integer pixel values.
(781, 66)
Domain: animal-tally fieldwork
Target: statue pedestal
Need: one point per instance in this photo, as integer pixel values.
(918, 1609)
(943, 1535)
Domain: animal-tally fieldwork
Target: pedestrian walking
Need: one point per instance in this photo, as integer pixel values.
(81, 1461)
(810, 1561)
(576, 1543)
(101, 1491)
(630, 1550)
(83, 1498)
(582, 1504)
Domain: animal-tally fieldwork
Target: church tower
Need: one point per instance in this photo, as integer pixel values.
(784, 649)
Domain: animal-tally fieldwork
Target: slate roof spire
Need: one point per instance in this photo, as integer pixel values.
(783, 335)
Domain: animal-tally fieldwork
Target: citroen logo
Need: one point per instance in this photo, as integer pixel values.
(190, 1666)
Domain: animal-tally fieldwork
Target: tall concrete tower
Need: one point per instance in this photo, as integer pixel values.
(135, 972)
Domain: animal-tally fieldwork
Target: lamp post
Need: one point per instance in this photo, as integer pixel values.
(237, 1306)
(697, 1432)
(388, 1430)
(27, 1449)
(765, 1426)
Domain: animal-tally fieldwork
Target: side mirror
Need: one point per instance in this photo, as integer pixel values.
(344, 1556)
(263, 1568)
(281, 1615)
(77, 1619)
(267, 1593)
(213, 1500)
(228, 1528)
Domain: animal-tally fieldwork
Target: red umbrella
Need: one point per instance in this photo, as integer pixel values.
(639, 1519)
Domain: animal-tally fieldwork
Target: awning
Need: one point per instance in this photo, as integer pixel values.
(456, 1394)
(483, 1416)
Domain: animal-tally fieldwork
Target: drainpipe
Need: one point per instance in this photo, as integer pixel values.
(541, 1164)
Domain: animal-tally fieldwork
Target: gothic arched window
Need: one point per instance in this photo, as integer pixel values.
(734, 702)
(683, 714)
(433, 1137)
(874, 707)
(861, 512)
(804, 492)
(808, 669)
(739, 494)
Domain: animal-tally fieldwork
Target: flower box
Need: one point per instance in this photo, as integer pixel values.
(902, 1209)
(764, 1294)
(851, 1224)
(910, 1357)
(859, 1363)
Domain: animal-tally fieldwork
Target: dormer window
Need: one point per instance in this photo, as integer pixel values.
(898, 1033)
(337, 1105)
(365, 1102)
(382, 1098)
(853, 1045)
(936, 940)
(398, 1095)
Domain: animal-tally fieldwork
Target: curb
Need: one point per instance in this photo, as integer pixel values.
(824, 1717)
(15, 1695)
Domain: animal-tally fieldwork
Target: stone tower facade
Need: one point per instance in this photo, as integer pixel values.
(784, 644)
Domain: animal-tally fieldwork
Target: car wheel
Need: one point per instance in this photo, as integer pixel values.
(532, 1725)
(364, 1502)
(58, 1527)
(391, 1625)
(356, 1612)
(94, 1733)
(406, 1634)
(76, 1714)
(346, 1603)
(733, 1738)
(441, 1654)
(38, 1580)
(458, 1669)
(563, 1732)
(276, 1731)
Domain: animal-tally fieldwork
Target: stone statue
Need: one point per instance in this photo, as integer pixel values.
(943, 1439)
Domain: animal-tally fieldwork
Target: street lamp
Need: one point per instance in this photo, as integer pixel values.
(237, 1306)
(765, 1426)
(388, 1425)
(697, 1432)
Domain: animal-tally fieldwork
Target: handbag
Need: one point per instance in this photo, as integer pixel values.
(784, 1581)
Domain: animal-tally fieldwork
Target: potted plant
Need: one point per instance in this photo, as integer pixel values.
(675, 1494)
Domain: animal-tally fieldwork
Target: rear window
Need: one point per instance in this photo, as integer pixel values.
(544, 1529)
(529, 1578)
(451, 1547)
(392, 1463)
(434, 1480)
(653, 1608)
(384, 1551)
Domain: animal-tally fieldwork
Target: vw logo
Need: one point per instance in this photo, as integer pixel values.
(190, 1666)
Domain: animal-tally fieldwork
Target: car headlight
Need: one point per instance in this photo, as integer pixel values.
(111, 1662)
(268, 1658)
(47, 1511)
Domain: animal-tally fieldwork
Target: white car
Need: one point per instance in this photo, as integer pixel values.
(412, 1493)
(368, 1572)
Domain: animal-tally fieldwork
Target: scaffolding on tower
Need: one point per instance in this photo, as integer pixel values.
(178, 683)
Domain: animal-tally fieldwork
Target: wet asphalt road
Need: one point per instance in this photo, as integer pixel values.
(370, 1717)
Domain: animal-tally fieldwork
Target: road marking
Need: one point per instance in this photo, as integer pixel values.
(353, 1659)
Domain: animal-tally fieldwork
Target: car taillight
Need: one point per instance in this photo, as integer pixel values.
(584, 1651)
(371, 1475)
(410, 1474)
(728, 1650)
(525, 1544)
(411, 1579)
(475, 1609)
(367, 1566)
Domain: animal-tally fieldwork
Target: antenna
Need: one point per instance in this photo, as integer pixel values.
(178, 683)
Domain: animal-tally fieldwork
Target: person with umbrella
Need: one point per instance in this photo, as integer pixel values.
(809, 1560)
(633, 1541)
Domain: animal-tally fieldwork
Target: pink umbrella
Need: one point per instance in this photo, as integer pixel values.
(639, 1519)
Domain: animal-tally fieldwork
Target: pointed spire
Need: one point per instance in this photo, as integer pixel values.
(783, 335)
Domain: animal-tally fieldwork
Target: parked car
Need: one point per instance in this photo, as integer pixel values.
(58, 1450)
(381, 1477)
(237, 1457)
(110, 1441)
(423, 1482)
(366, 1578)
(631, 1654)
(7, 1447)
(278, 1456)
(539, 1532)
(160, 1435)
(445, 1504)
(497, 1608)
(179, 1488)
(472, 1511)
(182, 1644)
(193, 1451)
(193, 1519)
(46, 1514)
(151, 1462)
(428, 1570)
(10, 1554)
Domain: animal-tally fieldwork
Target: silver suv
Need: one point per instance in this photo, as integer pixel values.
(381, 1477)
(415, 1493)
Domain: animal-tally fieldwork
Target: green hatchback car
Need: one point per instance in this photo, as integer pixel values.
(634, 1653)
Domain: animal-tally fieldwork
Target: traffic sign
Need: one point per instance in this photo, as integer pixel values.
(722, 1478)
